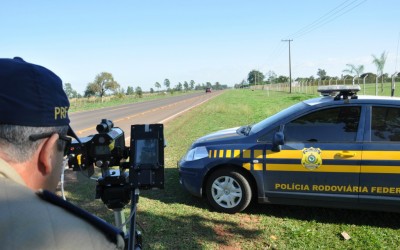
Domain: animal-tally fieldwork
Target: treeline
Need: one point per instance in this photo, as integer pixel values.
(257, 78)
(105, 84)
(351, 72)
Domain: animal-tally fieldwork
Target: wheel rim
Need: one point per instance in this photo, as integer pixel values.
(226, 192)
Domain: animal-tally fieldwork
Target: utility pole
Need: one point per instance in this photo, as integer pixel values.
(290, 66)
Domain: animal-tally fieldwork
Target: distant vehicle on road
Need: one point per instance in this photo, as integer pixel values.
(208, 90)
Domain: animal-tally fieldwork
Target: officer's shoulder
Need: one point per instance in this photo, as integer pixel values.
(112, 233)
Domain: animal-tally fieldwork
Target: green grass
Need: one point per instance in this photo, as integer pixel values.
(173, 219)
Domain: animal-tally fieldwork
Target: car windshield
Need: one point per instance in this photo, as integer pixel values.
(276, 117)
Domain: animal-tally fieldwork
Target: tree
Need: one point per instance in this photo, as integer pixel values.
(199, 86)
(71, 93)
(119, 92)
(271, 76)
(255, 77)
(192, 83)
(243, 84)
(89, 92)
(178, 87)
(151, 90)
(186, 86)
(380, 65)
(167, 83)
(157, 85)
(357, 70)
(103, 83)
(217, 86)
(224, 86)
(282, 79)
(139, 92)
(130, 91)
(322, 74)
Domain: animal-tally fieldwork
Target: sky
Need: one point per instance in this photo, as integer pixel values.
(144, 42)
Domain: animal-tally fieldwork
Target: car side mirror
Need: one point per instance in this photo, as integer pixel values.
(277, 141)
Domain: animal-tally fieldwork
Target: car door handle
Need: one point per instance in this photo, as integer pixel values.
(346, 154)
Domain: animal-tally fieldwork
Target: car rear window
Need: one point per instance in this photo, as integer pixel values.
(385, 124)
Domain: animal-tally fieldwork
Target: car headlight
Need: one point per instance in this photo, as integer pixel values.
(196, 154)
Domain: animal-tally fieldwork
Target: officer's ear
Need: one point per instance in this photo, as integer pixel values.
(47, 154)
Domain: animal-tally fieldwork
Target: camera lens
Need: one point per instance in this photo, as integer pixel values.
(105, 126)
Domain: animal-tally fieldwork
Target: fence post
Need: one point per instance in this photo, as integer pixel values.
(393, 83)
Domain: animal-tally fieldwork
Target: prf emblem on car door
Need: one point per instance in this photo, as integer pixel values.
(311, 158)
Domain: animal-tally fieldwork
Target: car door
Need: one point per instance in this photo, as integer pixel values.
(320, 159)
(380, 170)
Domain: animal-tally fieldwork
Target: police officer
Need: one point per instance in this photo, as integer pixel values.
(34, 132)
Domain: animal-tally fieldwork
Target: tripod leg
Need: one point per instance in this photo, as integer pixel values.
(134, 236)
(119, 219)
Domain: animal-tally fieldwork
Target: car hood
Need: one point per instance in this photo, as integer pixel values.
(222, 135)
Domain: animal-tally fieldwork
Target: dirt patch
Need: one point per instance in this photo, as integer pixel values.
(249, 221)
(225, 238)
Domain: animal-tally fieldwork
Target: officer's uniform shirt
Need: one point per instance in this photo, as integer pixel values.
(29, 222)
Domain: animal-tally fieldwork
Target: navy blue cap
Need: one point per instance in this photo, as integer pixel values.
(31, 95)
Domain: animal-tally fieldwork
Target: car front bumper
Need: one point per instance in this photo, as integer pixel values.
(191, 176)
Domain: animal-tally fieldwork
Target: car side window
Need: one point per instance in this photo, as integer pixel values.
(385, 124)
(338, 124)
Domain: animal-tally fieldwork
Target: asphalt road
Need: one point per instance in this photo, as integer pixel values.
(123, 116)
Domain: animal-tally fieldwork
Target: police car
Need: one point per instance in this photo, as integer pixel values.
(338, 150)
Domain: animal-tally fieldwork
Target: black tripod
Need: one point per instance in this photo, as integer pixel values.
(134, 237)
(116, 191)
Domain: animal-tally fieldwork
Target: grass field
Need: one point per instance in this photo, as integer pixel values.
(173, 219)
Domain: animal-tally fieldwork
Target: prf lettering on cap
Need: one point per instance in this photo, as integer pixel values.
(60, 113)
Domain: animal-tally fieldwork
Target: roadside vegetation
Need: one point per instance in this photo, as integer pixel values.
(351, 74)
(384, 89)
(105, 91)
(173, 219)
(95, 102)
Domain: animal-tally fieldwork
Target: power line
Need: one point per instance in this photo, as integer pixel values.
(317, 20)
(328, 17)
(341, 9)
(332, 19)
(276, 52)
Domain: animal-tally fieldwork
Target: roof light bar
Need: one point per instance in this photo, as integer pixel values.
(339, 91)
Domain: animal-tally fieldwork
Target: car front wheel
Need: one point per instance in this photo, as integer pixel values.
(228, 191)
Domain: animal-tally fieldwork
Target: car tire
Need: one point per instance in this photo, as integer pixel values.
(228, 191)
